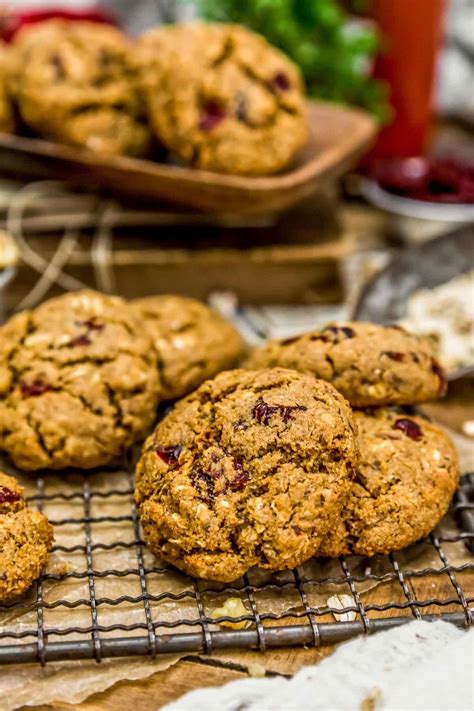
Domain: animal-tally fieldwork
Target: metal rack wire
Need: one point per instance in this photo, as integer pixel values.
(299, 621)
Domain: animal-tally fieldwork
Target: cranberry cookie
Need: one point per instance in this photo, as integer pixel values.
(250, 469)
(76, 82)
(193, 342)
(222, 98)
(26, 538)
(78, 382)
(407, 475)
(370, 365)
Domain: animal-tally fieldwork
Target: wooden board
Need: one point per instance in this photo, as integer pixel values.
(339, 136)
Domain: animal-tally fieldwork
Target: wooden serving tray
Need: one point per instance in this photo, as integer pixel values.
(339, 136)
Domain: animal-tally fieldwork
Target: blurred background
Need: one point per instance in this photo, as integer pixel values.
(386, 235)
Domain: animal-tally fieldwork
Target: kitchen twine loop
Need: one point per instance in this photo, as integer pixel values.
(52, 271)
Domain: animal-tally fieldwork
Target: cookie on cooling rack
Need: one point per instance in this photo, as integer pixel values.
(407, 475)
(371, 365)
(250, 469)
(78, 382)
(26, 537)
(7, 120)
(222, 98)
(75, 82)
(193, 342)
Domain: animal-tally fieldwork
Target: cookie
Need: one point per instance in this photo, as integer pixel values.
(369, 364)
(78, 382)
(7, 121)
(76, 82)
(26, 537)
(407, 475)
(193, 342)
(250, 469)
(221, 98)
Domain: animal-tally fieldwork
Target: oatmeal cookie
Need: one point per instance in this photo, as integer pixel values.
(76, 82)
(26, 537)
(193, 342)
(78, 382)
(369, 364)
(222, 98)
(250, 469)
(407, 475)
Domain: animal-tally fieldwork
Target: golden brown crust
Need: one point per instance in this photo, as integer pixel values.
(222, 98)
(407, 475)
(193, 342)
(250, 469)
(76, 82)
(78, 382)
(26, 538)
(370, 365)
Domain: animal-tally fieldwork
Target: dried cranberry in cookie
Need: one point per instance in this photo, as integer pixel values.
(407, 475)
(79, 382)
(370, 365)
(221, 98)
(265, 463)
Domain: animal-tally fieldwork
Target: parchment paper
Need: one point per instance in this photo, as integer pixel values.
(74, 681)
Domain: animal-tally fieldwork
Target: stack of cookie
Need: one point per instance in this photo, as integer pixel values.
(267, 465)
(408, 469)
(270, 466)
(217, 96)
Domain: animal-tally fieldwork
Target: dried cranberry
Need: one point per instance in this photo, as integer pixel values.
(409, 427)
(212, 114)
(169, 455)
(82, 340)
(438, 370)
(34, 389)
(242, 476)
(92, 324)
(263, 412)
(7, 496)
(337, 330)
(394, 355)
(281, 81)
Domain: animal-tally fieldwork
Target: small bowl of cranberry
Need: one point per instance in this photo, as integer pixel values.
(424, 196)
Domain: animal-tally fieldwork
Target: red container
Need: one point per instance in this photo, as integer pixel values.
(411, 37)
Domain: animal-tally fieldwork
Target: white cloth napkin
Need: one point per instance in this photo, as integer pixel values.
(420, 665)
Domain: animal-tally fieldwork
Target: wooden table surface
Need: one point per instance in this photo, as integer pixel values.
(196, 671)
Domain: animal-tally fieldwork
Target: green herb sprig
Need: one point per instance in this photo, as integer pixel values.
(333, 52)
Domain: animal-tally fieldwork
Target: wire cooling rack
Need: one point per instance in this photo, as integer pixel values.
(114, 599)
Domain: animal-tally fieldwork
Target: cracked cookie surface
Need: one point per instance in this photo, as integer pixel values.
(222, 98)
(407, 475)
(250, 469)
(370, 365)
(193, 342)
(76, 82)
(78, 382)
(26, 537)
